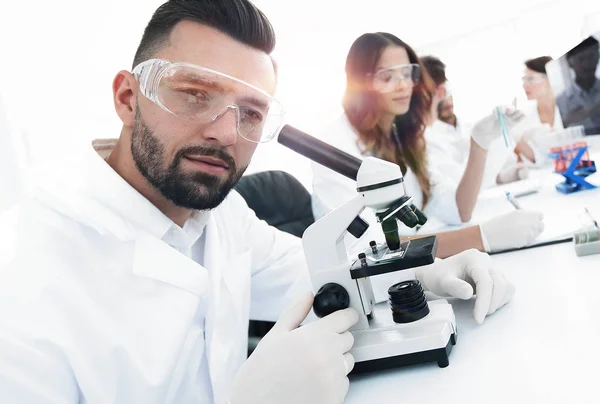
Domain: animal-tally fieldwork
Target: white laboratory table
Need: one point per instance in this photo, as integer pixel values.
(543, 347)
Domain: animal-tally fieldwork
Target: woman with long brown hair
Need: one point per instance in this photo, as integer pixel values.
(387, 106)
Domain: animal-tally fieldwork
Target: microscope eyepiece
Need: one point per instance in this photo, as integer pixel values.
(319, 151)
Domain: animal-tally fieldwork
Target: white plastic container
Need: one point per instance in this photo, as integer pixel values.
(587, 241)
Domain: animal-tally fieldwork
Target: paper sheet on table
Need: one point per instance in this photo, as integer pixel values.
(517, 189)
(560, 224)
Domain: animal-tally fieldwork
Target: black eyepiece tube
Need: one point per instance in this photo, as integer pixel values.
(319, 151)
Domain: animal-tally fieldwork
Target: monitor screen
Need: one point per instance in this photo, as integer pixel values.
(575, 81)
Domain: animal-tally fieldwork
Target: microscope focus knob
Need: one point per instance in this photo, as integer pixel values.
(329, 298)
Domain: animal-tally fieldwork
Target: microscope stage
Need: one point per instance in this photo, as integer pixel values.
(412, 254)
(387, 344)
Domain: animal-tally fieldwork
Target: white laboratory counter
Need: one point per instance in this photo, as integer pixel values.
(543, 347)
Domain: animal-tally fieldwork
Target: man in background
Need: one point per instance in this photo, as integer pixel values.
(448, 147)
(579, 104)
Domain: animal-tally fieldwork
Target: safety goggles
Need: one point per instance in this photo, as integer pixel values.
(533, 78)
(196, 93)
(388, 79)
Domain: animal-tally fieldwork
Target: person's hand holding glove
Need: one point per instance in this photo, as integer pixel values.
(533, 141)
(487, 130)
(464, 275)
(516, 229)
(293, 365)
(514, 172)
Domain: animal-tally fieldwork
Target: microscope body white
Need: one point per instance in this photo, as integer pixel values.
(373, 172)
(362, 302)
(328, 260)
(384, 338)
(376, 335)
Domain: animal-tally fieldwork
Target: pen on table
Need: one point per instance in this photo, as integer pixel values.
(591, 217)
(513, 201)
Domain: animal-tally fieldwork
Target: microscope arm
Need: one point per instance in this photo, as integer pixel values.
(327, 259)
(323, 241)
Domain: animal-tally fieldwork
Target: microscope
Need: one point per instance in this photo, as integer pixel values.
(407, 331)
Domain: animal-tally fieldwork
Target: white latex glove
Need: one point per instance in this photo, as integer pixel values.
(535, 132)
(516, 172)
(488, 129)
(295, 365)
(465, 274)
(516, 229)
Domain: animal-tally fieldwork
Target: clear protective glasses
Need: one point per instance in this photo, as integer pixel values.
(197, 93)
(387, 80)
(533, 78)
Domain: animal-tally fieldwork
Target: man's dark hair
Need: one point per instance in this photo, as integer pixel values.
(538, 64)
(239, 19)
(587, 43)
(436, 69)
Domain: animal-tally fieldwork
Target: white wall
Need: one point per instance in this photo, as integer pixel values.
(60, 58)
(10, 175)
(483, 48)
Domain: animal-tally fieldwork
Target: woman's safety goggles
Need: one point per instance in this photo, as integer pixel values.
(388, 79)
(196, 93)
(533, 78)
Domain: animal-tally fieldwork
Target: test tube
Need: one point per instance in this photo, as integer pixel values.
(569, 153)
(558, 159)
(586, 155)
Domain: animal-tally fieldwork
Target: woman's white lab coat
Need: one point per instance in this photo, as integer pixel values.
(331, 190)
(95, 309)
(448, 152)
(533, 123)
(447, 149)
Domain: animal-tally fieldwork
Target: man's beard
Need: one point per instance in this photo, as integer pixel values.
(197, 190)
(441, 112)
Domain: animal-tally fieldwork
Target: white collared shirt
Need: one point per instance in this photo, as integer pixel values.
(451, 138)
(447, 149)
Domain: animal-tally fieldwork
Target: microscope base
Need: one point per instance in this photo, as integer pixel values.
(388, 345)
(441, 356)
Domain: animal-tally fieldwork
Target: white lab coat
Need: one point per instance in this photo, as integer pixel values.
(447, 149)
(532, 121)
(331, 190)
(11, 186)
(96, 308)
(532, 118)
(448, 152)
